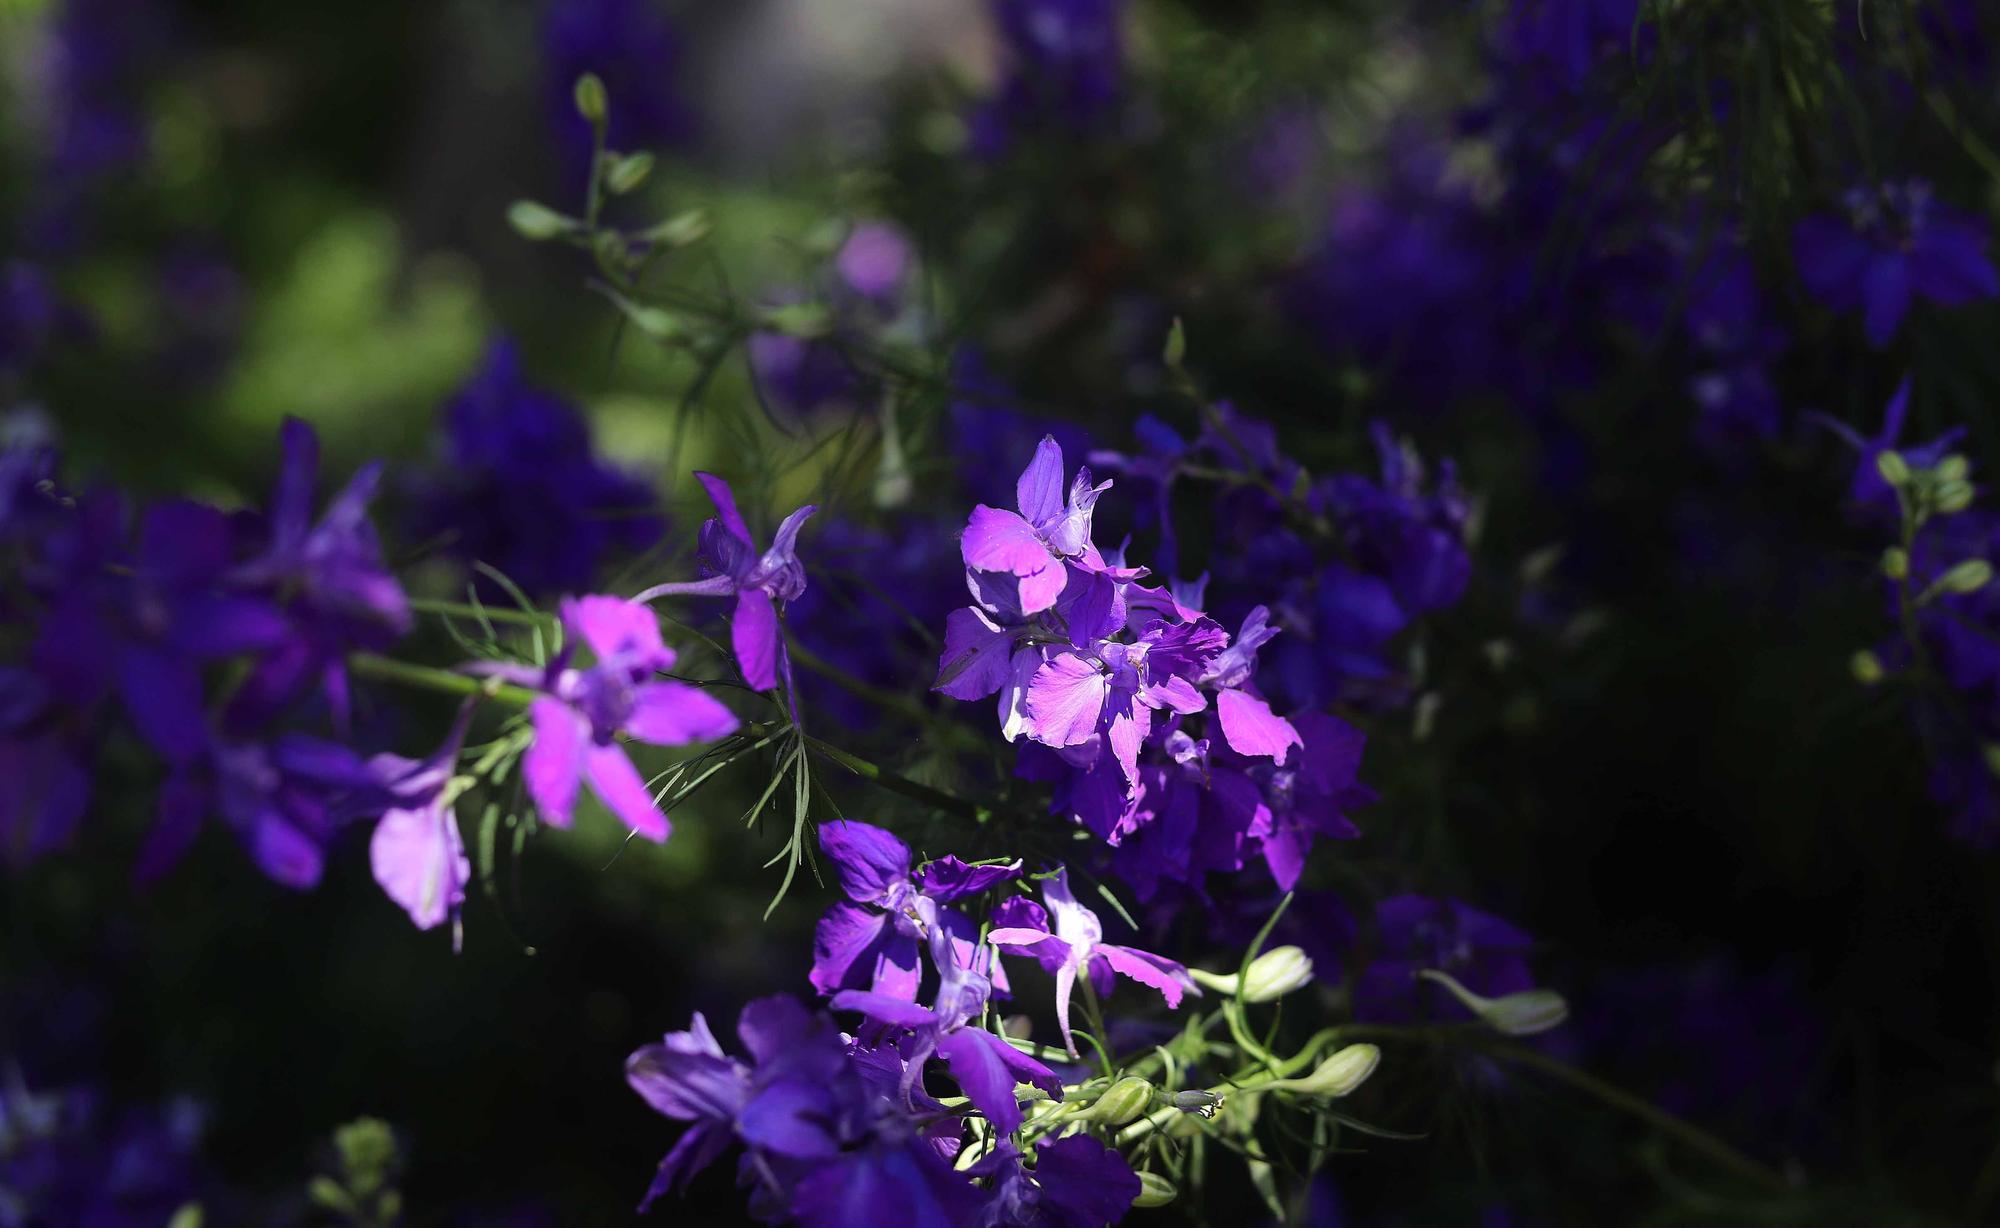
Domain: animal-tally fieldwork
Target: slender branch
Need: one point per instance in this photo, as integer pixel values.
(1689, 1134)
(430, 678)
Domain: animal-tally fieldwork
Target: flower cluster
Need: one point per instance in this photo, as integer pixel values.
(1142, 711)
(1938, 575)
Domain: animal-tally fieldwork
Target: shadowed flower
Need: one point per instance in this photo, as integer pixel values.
(1075, 946)
(1895, 245)
(759, 582)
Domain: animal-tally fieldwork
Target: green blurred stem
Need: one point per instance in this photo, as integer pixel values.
(887, 700)
(1689, 1135)
(429, 678)
(457, 609)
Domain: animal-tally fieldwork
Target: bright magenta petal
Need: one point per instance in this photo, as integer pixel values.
(673, 713)
(553, 765)
(617, 784)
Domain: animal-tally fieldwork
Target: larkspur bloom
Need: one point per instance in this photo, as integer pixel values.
(828, 1137)
(986, 1067)
(1037, 544)
(761, 583)
(869, 940)
(416, 852)
(584, 710)
(1075, 947)
(336, 592)
(1895, 245)
(286, 800)
(519, 487)
(1076, 1182)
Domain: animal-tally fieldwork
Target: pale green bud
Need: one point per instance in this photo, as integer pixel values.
(1270, 976)
(591, 101)
(1867, 668)
(537, 221)
(628, 172)
(680, 230)
(1127, 1099)
(1338, 1074)
(1894, 470)
(189, 1215)
(1176, 348)
(1155, 1191)
(1895, 563)
(1991, 753)
(1953, 497)
(1516, 1014)
(1967, 577)
(1953, 468)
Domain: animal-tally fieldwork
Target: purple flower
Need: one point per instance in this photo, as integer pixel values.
(285, 800)
(416, 852)
(1076, 1182)
(518, 486)
(1896, 244)
(1414, 933)
(828, 1138)
(1309, 799)
(1035, 544)
(583, 711)
(1867, 492)
(1076, 947)
(985, 1066)
(1063, 61)
(336, 592)
(759, 582)
(870, 939)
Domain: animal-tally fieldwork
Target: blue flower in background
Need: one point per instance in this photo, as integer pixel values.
(1895, 245)
(518, 486)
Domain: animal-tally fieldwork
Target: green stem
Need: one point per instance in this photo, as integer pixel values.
(429, 678)
(887, 700)
(457, 609)
(1690, 1135)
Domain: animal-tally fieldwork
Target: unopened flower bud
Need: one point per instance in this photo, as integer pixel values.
(1867, 668)
(1953, 497)
(628, 172)
(1155, 1191)
(1127, 1099)
(1967, 577)
(1954, 468)
(591, 101)
(1895, 563)
(1199, 1103)
(1991, 753)
(1516, 1014)
(1894, 470)
(537, 221)
(1336, 1075)
(1270, 976)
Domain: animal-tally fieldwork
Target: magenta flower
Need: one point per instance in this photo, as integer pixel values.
(869, 940)
(1034, 545)
(986, 1067)
(582, 712)
(416, 852)
(1076, 946)
(732, 566)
